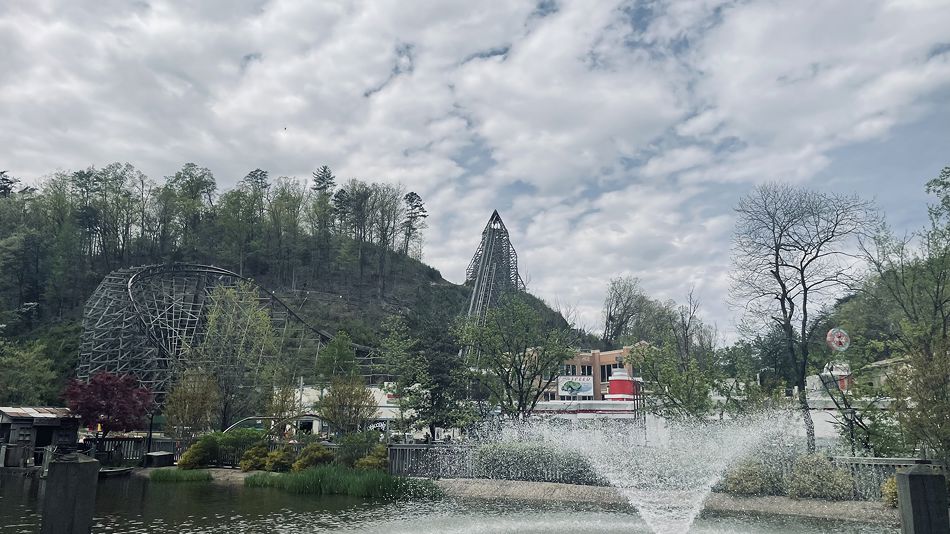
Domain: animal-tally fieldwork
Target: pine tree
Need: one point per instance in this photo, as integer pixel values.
(415, 219)
(323, 180)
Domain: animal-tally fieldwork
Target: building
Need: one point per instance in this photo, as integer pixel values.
(26, 431)
(586, 376)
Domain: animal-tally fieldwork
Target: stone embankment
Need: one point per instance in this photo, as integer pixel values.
(858, 511)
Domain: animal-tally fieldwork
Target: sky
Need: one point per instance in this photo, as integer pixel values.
(613, 137)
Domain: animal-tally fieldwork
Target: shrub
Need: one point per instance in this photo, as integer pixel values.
(335, 479)
(177, 475)
(377, 459)
(202, 453)
(254, 458)
(233, 444)
(889, 492)
(355, 446)
(753, 478)
(532, 462)
(813, 476)
(313, 455)
(280, 460)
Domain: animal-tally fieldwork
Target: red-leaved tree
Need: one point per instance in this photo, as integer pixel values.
(117, 402)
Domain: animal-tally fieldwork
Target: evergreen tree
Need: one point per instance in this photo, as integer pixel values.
(323, 180)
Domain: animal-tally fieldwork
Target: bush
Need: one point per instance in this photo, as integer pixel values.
(537, 463)
(254, 458)
(753, 478)
(233, 444)
(335, 479)
(313, 455)
(177, 475)
(280, 460)
(355, 446)
(889, 492)
(202, 453)
(813, 476)
(377, 459)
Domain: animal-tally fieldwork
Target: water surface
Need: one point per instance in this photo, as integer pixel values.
(134, 505)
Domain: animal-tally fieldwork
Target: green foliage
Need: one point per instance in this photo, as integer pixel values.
(536, 463)
(202, 453)
(177, 475)
(235, 442)
(280, 460)
(334, 479)
(337, 359)
(347, 404)
(754, 478)
(254, 458)
(313, 455)
(238, 341)
(677, 389)
(521, 350)
(814, 477)
(378, 459)
(191, 404)
(26, 375)
(889, 492)
(355, 446)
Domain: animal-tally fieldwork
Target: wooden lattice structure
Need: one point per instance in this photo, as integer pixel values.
(493, 269)
(142, 320)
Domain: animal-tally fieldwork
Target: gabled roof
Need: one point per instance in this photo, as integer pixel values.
(35, 412)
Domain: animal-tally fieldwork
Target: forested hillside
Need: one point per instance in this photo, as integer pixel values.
(345, 255)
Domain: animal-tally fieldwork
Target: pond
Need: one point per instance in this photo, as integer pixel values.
(134, 505)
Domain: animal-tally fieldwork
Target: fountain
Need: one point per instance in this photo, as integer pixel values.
(664, 469)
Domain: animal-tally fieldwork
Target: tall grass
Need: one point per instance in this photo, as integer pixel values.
(178, 475)
(334, 479)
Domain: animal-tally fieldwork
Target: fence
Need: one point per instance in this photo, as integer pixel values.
(528, 462)
(869, 473)
(130, 450)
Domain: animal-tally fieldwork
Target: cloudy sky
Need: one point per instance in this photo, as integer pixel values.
(613, 137)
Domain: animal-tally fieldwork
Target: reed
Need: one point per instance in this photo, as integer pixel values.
(334, 479)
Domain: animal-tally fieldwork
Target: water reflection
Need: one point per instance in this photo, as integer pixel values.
(133, 505)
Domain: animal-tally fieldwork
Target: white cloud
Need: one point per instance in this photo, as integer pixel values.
(614, 136)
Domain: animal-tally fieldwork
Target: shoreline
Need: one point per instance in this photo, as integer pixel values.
(851, 511)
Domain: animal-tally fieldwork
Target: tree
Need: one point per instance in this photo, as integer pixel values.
(323, 180)
(27, 375)
(519, 353)
(624, 301)
(116, 402)
(791, 251)
(427, 385)
(239, 344)
(677, 391)
(921, 391)
(347, 404)
(337, 359)
(912, 274)
(191, 405)
(414, 222)
(7, 184)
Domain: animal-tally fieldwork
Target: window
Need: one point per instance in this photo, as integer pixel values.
(570, 369)
(550, 395)
(604, 372)
(587, 370)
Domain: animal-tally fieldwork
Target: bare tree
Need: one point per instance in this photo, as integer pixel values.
(792, 247)
(624, 300)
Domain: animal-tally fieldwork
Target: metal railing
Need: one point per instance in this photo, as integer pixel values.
(869, 473)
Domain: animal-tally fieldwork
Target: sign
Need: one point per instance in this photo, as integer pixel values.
(838, 340)
(574, 386)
